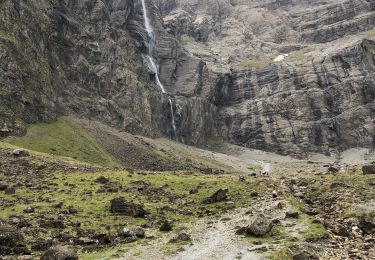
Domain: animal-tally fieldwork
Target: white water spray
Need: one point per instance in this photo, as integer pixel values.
(151, 61)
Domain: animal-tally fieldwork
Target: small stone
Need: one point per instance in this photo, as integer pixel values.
(183, 237)
(72, 210)
(102, 180)
(59, 205)
(254, 194)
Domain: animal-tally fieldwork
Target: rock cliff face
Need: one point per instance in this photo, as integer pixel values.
(217, 60)
(316, 96)
(74, 57)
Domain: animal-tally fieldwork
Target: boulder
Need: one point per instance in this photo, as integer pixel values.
(368, 169)
(3, 186)
(260, 226)
(220, 195)
(332, 169)
(41, 244)
(183, 237)
(134, 231)
(60, 253)
(10, 237)
(121, 207)
(367, 224)
(20, 153)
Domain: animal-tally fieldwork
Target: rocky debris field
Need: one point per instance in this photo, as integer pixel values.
(55, 206)
(50, 206)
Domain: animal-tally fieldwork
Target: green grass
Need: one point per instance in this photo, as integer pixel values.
(282, 254)
(313, 231)
(64, 138)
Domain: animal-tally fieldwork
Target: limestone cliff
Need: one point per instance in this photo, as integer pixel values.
(288, 76)
(282, 75)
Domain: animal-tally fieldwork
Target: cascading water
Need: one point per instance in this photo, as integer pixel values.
(150, 42)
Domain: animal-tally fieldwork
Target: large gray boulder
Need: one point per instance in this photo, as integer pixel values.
(259, 227)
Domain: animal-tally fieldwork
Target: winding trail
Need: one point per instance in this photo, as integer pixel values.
(216, 239)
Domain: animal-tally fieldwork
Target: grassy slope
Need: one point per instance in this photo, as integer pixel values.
(64, 138)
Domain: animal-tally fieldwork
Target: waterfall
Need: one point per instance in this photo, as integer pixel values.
(150, 42)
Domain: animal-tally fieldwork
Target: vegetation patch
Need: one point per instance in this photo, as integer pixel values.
(64, 138)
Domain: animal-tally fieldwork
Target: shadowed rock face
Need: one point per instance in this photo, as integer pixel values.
(216, 58)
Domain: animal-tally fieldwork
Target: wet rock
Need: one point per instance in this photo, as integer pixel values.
(20, 153)
(220, 195)
(183, 237)
(60, 253)
(166, 226)
(121, 207)
(367, 224)
(10, 191)
(368, 169)
(41, 244)
(292, 214)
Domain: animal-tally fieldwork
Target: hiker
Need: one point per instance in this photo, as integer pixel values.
(274, 195)
(266, 173)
